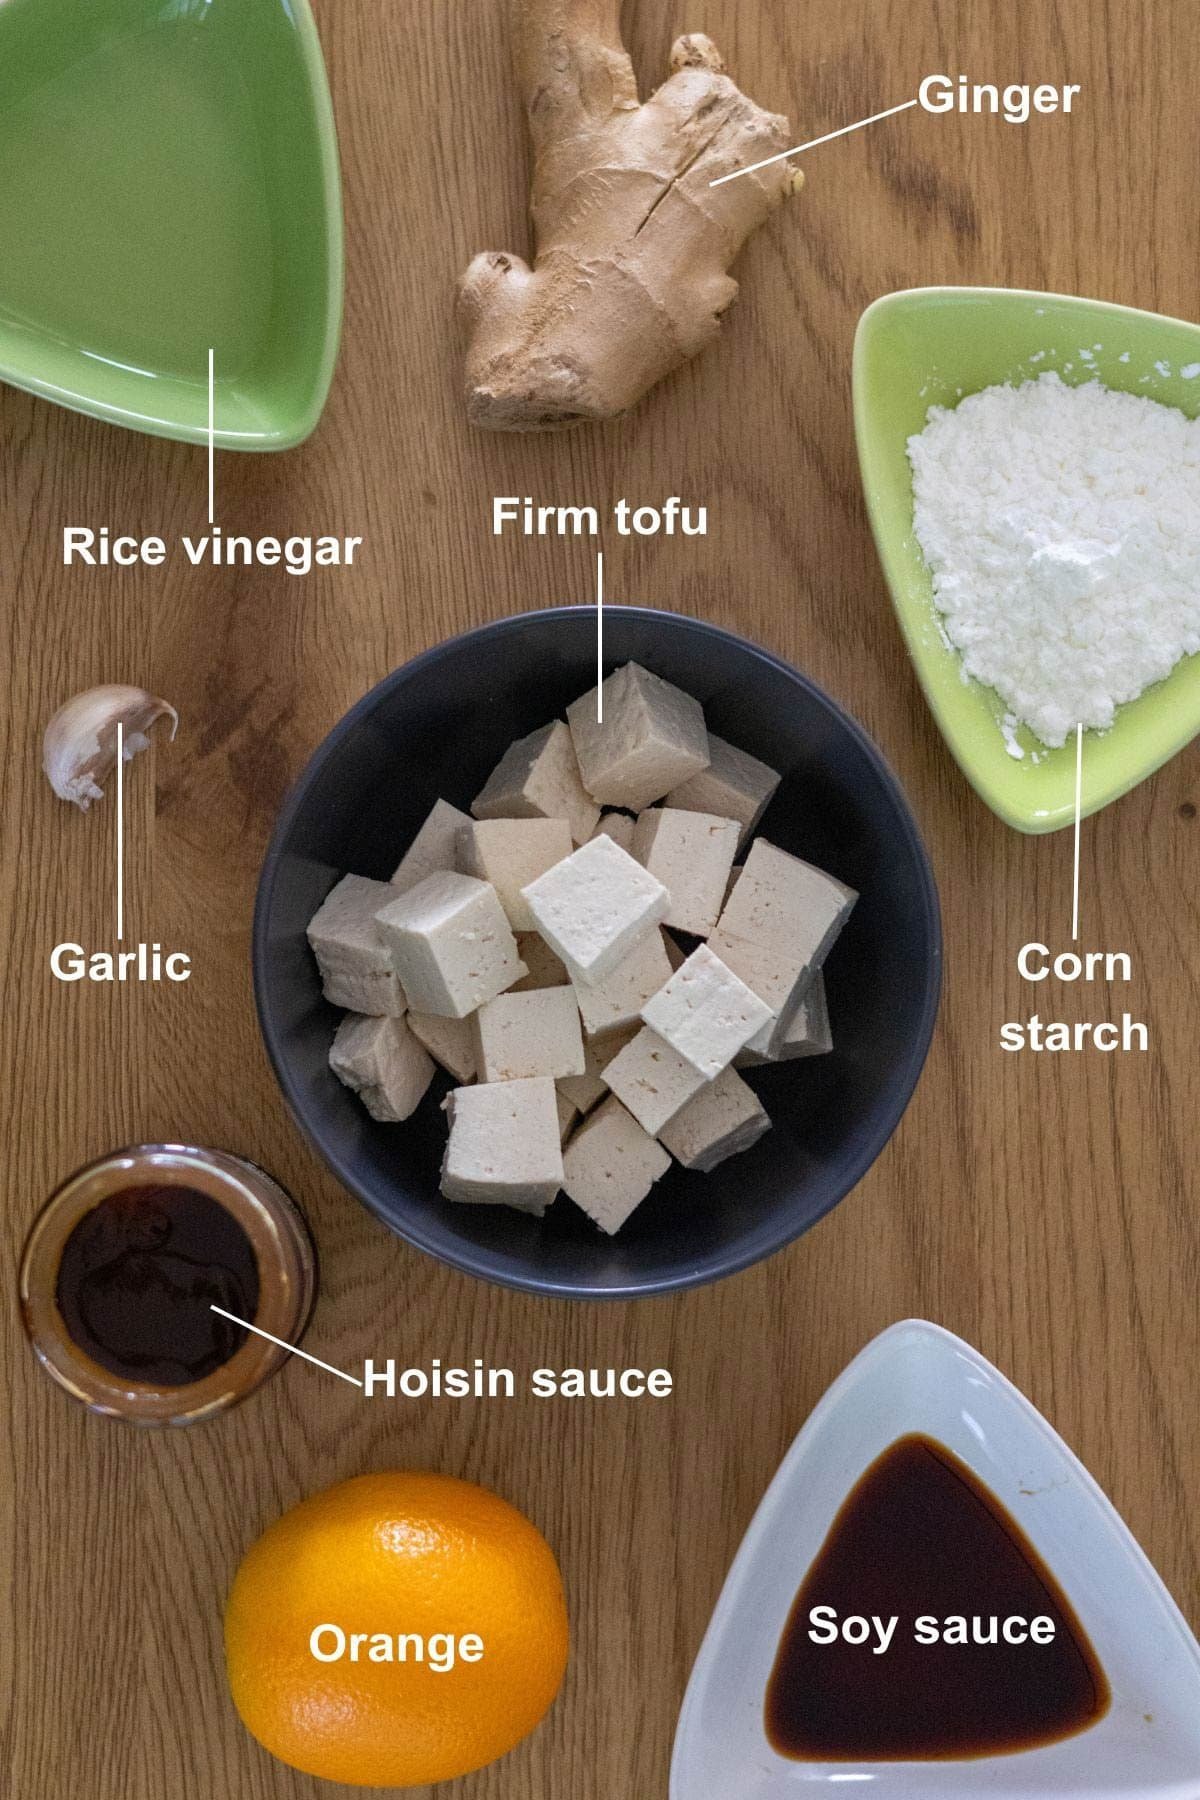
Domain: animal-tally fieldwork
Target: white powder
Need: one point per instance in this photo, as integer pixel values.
(1008, 725)
(1062, 528)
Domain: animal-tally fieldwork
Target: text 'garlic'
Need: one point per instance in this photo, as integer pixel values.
(80, 746)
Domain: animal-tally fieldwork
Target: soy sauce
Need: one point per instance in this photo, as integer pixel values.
(919, 1536)
(139, 1276)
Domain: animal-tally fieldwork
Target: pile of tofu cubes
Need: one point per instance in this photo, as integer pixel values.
(533, 951)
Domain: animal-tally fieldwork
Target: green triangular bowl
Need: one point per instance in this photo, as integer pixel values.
(170, 185)
(930, 347)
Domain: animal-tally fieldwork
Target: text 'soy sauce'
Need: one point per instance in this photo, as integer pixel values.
(920, 1536)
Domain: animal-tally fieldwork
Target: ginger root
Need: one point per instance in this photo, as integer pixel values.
(633, 244)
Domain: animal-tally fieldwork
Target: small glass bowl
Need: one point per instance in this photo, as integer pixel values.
(281, 1243)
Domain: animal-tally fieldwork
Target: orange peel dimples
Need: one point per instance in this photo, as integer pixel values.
(388, 1562)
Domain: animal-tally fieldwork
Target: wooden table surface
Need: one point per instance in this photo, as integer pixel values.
(1043, 1208)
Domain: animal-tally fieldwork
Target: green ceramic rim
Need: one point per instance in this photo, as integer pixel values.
(925, 346)
(287, 425)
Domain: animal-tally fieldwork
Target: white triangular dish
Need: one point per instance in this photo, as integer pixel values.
(918, 1378)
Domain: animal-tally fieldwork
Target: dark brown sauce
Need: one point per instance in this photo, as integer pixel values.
(920, 1536)
(139, 1276)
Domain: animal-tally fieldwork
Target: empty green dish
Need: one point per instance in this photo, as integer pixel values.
(931, 347)
(170, 185)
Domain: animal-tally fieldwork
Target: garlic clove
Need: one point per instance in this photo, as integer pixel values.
(80, 747)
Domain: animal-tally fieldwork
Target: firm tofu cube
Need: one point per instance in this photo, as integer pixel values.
(545, 969)
(809, 1034)
(691, 853)
(357, 972)
(583, 1091)
(782, 920)
(382, 1061)
(652, 738)
(538, 778)
(722, 1121)
(504, 1147)
(434, 849)
(653, 1081)
(587, 1090)
(735, 785)
(610, 1166)
(510, 853)
(617, 1001)
(595, 907)
(707, 1013)
(451, 944)
(519, 1036)
(568, 1114)
(619, 827)
(450, 1042)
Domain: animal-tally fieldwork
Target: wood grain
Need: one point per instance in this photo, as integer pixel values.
(1044, 1209)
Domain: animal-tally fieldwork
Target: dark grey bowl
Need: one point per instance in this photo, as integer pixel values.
(435, 729)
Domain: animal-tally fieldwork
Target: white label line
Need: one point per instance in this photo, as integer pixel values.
(1078, 831)
(600, 637)
(283, 1345)
(212, 437)
(120, 832)
(752, 168)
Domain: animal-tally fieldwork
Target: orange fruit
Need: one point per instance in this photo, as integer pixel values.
(395, 1631)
